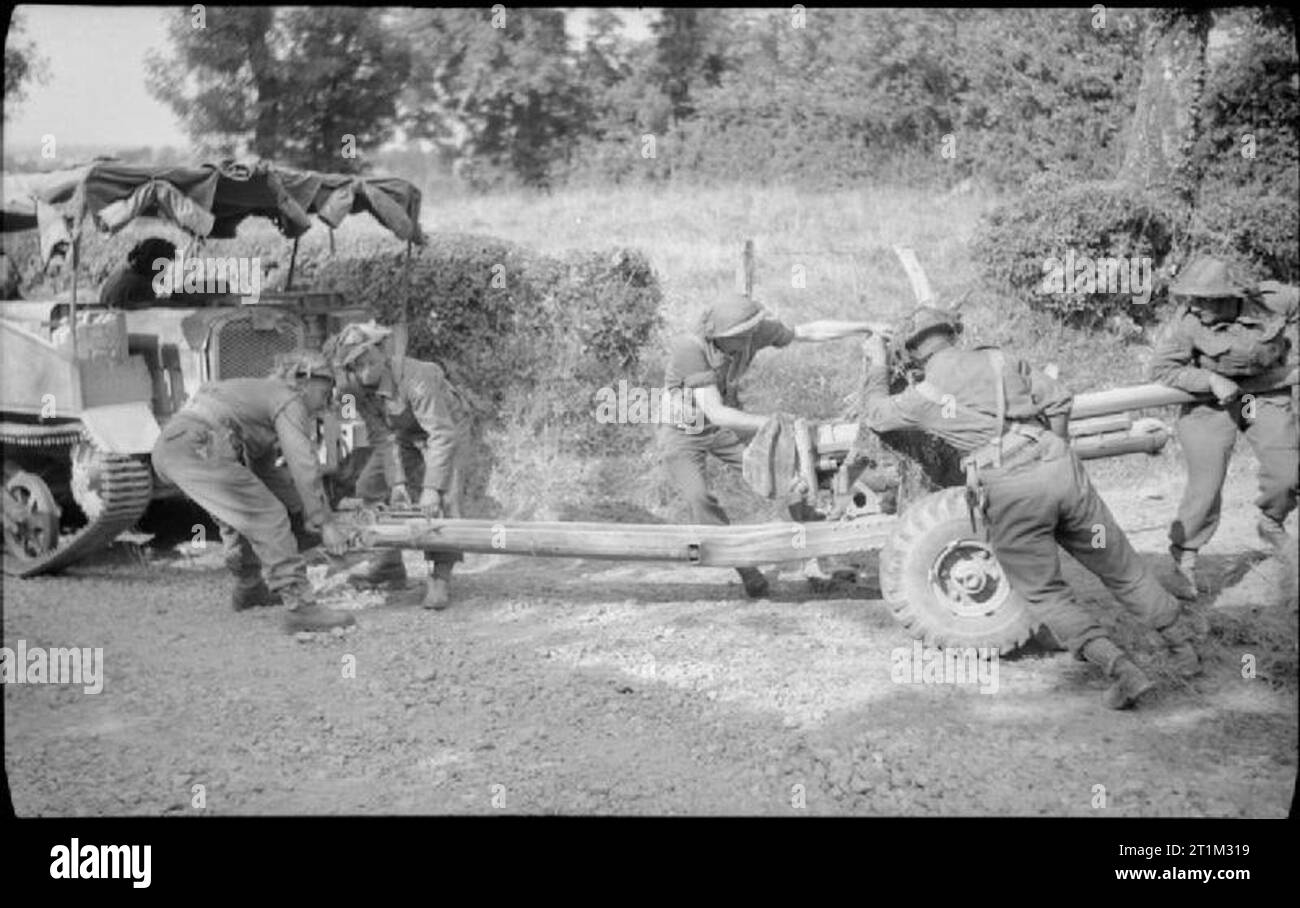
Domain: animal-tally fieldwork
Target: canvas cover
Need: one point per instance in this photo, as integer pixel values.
(211, 200)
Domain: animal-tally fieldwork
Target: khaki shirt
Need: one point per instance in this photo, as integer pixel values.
(1258, 341)
(963, 411)
(269, 419)
(419, 400)
(695, 362)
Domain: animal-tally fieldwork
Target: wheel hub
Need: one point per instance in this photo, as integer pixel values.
(31, 516)
(968, 579)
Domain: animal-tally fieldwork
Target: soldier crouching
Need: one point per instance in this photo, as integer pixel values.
(422, 441)
(221, 451)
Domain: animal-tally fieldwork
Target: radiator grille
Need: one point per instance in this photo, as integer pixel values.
(244, 351)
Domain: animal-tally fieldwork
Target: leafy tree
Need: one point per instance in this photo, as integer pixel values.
(23, 65)
(690, 53)
(501, 96)
(1158, 149)
(284, 83)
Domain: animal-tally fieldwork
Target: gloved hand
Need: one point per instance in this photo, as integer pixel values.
(399, 497)
(334, 538)
(431, 503)
(1223, 389)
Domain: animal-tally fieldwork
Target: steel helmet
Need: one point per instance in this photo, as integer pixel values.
(355, 339)
(305, 364)
(733, 316)
(1210, 277)
(925, 319)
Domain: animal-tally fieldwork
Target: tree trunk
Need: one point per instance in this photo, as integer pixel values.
(1158, 150)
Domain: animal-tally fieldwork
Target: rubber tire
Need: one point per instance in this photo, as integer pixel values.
(927, 526)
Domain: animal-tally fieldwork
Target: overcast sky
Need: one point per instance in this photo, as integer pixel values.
(96, 95)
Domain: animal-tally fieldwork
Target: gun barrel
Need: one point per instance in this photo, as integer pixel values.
(1138, 397)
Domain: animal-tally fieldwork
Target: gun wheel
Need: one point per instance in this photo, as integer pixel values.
(944, 584)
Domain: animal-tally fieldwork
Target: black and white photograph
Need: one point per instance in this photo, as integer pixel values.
(651, 412)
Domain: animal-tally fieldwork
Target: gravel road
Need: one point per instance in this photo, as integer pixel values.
(575, 687)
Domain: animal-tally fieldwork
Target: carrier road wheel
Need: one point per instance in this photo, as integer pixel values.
(31, 518)
(943, 583)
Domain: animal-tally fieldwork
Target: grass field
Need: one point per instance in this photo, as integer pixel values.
(843, 243)
(817, 255)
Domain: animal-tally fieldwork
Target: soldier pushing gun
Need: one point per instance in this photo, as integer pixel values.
(1029, 489)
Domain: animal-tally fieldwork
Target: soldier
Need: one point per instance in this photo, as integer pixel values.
(1226, 330)
(131, 285)
(704, 371)
(422, 442)
(1009, 419)
(221, 449)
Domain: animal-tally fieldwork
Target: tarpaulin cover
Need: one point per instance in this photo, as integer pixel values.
(24, 192)
(211, 200)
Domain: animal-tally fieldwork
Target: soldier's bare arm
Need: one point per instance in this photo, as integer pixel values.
(834, 329)
(709, 401)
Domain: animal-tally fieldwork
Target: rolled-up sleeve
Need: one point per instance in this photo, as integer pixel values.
(688, 362)
(773, 333)
(1051, 397)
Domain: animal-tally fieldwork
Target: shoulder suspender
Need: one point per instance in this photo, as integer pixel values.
(998, 361)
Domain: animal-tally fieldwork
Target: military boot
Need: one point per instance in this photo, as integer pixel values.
(1180, 577)
(1180, 639)
(756, 586)
(252, 592)
(386, 572)
(437, 592)
(306, 614)
(1274, 534)
(1130, 682)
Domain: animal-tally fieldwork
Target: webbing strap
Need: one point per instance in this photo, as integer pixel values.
(998, 361)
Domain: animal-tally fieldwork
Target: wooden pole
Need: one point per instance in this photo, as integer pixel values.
(915, 274)
(408, 284)
(745, 272)
(293, 260)
(72, 307)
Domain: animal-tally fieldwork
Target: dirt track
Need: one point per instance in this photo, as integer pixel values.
(578, 687)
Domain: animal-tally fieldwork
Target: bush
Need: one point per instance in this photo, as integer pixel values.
(1016, 241)
(535, 337)
(1257, 226)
